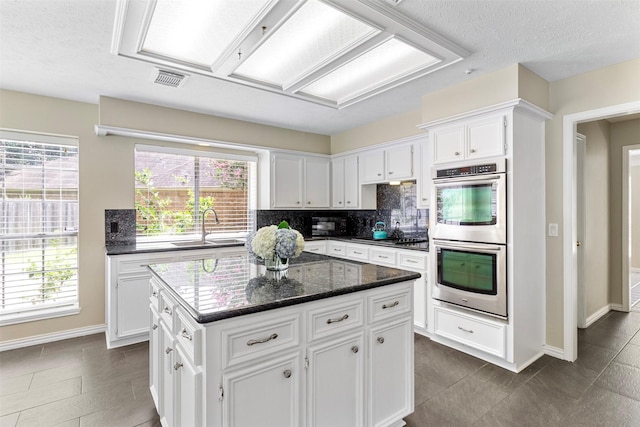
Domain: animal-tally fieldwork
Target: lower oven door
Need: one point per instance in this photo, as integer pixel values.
(472, 275)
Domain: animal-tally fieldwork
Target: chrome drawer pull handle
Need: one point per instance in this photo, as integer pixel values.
(154, 293)
(380, 340)
(167, 310)
(465, 330)
(269, 338)
(413, 261)
(395, 303)
(168, 350)
(330, 321)
(177, 366)
(357, 253)
(154, 327)
(287, 373)
(185, 334)
(355, 349)
(383, 256)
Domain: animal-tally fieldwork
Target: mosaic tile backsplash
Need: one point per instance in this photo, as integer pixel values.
(396, 205)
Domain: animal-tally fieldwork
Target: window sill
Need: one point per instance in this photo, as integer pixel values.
(35, 315)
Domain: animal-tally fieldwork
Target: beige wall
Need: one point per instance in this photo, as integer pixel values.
(390, 129)
(152, 118)
(106, 174)
(617, 84)
(596, 206)
(622, 134)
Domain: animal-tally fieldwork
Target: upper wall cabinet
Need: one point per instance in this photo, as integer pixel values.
(299, 181)
(344, 182)
(473, 139)
(424, 175)
(387, 165)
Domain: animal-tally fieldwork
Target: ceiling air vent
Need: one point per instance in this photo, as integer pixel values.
(168, 78)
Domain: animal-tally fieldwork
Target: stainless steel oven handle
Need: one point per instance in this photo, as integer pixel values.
(445, 181)
(466, 245)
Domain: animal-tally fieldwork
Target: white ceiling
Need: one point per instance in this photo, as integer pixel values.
(61, 48)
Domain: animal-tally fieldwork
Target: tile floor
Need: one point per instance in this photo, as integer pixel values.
(78, 382)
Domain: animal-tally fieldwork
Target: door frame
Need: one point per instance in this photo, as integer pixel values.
(569, 209)
(626, 150)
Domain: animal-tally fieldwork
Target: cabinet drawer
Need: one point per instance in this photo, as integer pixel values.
(383, 305)
(166, 307)
(325, 321)
(382, 257)
(337, 249)
(257, 339)
(412, 262)
(316, 247)
(357, 252)
(189, 335)
(475, 332)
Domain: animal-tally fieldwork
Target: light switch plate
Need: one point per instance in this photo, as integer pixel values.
(553, 230)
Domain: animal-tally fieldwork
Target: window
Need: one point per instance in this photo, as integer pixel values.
(39, 229)
(175, 187)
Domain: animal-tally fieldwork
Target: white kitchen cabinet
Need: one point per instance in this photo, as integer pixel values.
(424, 176)
(345, 182)
(316, 247)
(393, 163)
(309, 364)
(335, 393)
(468, 140)
(154, 357)
(264, 394)
(391, 376)
(299, 181)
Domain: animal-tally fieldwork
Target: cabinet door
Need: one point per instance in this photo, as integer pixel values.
(351, 182)
(265, 394)
(337, 183)
(391, 373)
(316, 178)
(188, 390)
(133, 300)
(372, 164)
(486, 137)
(399, 162)
(286, 181)
(154, 357)
(336, 383)
(448, 144)
(165, 409)
(424, 176)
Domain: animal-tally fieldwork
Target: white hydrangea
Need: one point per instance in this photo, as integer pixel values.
(264, 242)
(299, 243)
(270, 241)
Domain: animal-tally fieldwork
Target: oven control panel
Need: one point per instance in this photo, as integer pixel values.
(494, 167)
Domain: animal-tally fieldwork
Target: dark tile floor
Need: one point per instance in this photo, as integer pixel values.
(78, 382)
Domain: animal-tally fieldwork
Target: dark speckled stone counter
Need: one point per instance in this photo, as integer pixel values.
(215, 289)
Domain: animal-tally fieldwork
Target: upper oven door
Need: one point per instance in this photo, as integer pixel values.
(471, 208)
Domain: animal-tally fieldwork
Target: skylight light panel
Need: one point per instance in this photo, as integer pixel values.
(314, 34)
(390, 61)
(198, 31)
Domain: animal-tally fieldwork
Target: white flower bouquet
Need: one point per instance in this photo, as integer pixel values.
(275, 244)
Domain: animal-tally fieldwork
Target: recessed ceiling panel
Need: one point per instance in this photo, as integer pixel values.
(314, 34)
(198, 31)
(390, 61)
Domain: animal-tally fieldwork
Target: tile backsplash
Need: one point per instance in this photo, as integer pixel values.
(395, 204)
(120, 227)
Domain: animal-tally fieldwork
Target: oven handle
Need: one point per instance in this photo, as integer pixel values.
(467, 178)
(466, 245)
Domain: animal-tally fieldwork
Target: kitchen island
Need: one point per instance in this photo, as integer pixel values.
(329, 342)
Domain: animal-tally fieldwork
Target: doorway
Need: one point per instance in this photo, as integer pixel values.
(631, 224)
(570, 233)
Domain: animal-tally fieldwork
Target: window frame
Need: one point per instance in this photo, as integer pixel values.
(46, 311)
(252, 189)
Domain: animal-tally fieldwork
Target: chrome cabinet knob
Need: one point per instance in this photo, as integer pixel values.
(177, 366)
(380, 340)
(287, 373)
(355, 349)
(168, 350)
(154, 327)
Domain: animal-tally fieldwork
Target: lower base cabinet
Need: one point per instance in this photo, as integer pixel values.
(293, 366)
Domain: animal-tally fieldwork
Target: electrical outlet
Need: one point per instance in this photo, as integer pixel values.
(553, 230)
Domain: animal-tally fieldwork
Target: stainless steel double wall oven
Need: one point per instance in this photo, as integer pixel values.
(470, 236)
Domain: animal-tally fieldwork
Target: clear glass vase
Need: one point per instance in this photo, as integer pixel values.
(276, 263)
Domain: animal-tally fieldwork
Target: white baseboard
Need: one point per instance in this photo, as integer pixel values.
(616, 307)
(597, 315)
(421, 331)
(552, 351)
(55, 336)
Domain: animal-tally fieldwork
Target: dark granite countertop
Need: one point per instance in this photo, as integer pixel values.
(214, 289)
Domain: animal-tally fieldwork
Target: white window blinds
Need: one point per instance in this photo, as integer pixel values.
(39, 229)
(175, 187)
